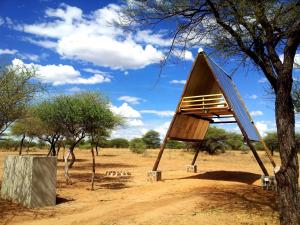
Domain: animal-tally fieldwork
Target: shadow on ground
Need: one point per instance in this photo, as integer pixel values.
(246, 198)
(88, 166)
(235, 176)
(101, 181)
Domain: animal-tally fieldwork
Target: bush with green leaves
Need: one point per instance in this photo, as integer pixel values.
(137, 145)
(173, 144)
(119, 143)
(215, 140)
(151, 139)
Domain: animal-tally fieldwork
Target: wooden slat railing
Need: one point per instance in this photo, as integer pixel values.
(204, 102)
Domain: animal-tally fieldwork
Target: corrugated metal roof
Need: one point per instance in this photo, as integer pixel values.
(233, 98)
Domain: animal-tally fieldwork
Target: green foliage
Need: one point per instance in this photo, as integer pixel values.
(151, 139)
(137, 145)
(215, 139)
(234, 141)
(16, 91)
(272, 141)
(173, 144)
(119, 143)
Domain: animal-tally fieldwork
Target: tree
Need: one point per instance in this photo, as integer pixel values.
(234, 140)
(17, 89)
(271, 141)
(214, 140)
(25, 127)
(172, 144)
(137, 145)
(46, 126)
(99, 121)
(267, 33)
(119, 143)
(151, 139)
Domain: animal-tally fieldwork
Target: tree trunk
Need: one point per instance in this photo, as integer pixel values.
(73, 158)
(67, 167)
(21, 144)
(58, 148)
(97, 153)
(93, 167)
(287, 175)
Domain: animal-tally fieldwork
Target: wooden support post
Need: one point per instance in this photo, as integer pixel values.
(161, 151)
(267, 150)
(195, 157)
(262, 166)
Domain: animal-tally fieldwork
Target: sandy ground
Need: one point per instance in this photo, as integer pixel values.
(226, 190)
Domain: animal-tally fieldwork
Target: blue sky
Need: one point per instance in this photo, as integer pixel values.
(76, 47)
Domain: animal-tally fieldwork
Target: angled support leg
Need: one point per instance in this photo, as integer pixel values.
(195, 157)
(260, 163)
(155, 175)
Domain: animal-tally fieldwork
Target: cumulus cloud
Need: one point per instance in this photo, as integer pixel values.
(159, 113)
(265, 126)
(125, 111)
(177, 81)
(93, 38)
(62, 74)
(8, 51)
(186, 55)
(130, 99)
(256, 113)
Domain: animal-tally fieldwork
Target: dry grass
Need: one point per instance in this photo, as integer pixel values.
(225, 191)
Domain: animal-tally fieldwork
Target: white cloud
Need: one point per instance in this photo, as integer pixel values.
(62, 74)
(200, 50)
(8, 51)
(135, 123)
(253, 97)
(94, 38)
(296, 60)
(162, 129)
(31, 57)
(177, 81)
(159, 113)
(256, 113)
(90, 70)
(186, 55)
(130, 99)
(265, 126)
(42, 43)
(125, 111)
(262, 80)
(147, 36)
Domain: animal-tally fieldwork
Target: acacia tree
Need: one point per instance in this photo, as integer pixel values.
(78, 116)
(25, 127)
(99, 121)
(262, 31)
(17, 89)
(46, 126)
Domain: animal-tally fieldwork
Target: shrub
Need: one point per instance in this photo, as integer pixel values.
(137, 145)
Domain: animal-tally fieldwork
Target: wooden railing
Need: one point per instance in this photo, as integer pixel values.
(204, 103)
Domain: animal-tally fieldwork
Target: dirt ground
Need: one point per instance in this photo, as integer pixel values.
(226, 190)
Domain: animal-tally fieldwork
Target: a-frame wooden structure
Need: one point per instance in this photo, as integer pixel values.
(209, 97)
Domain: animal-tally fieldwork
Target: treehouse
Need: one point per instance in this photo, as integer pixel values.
(209, 97)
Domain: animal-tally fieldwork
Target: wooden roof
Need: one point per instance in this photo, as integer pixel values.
(209, 93)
